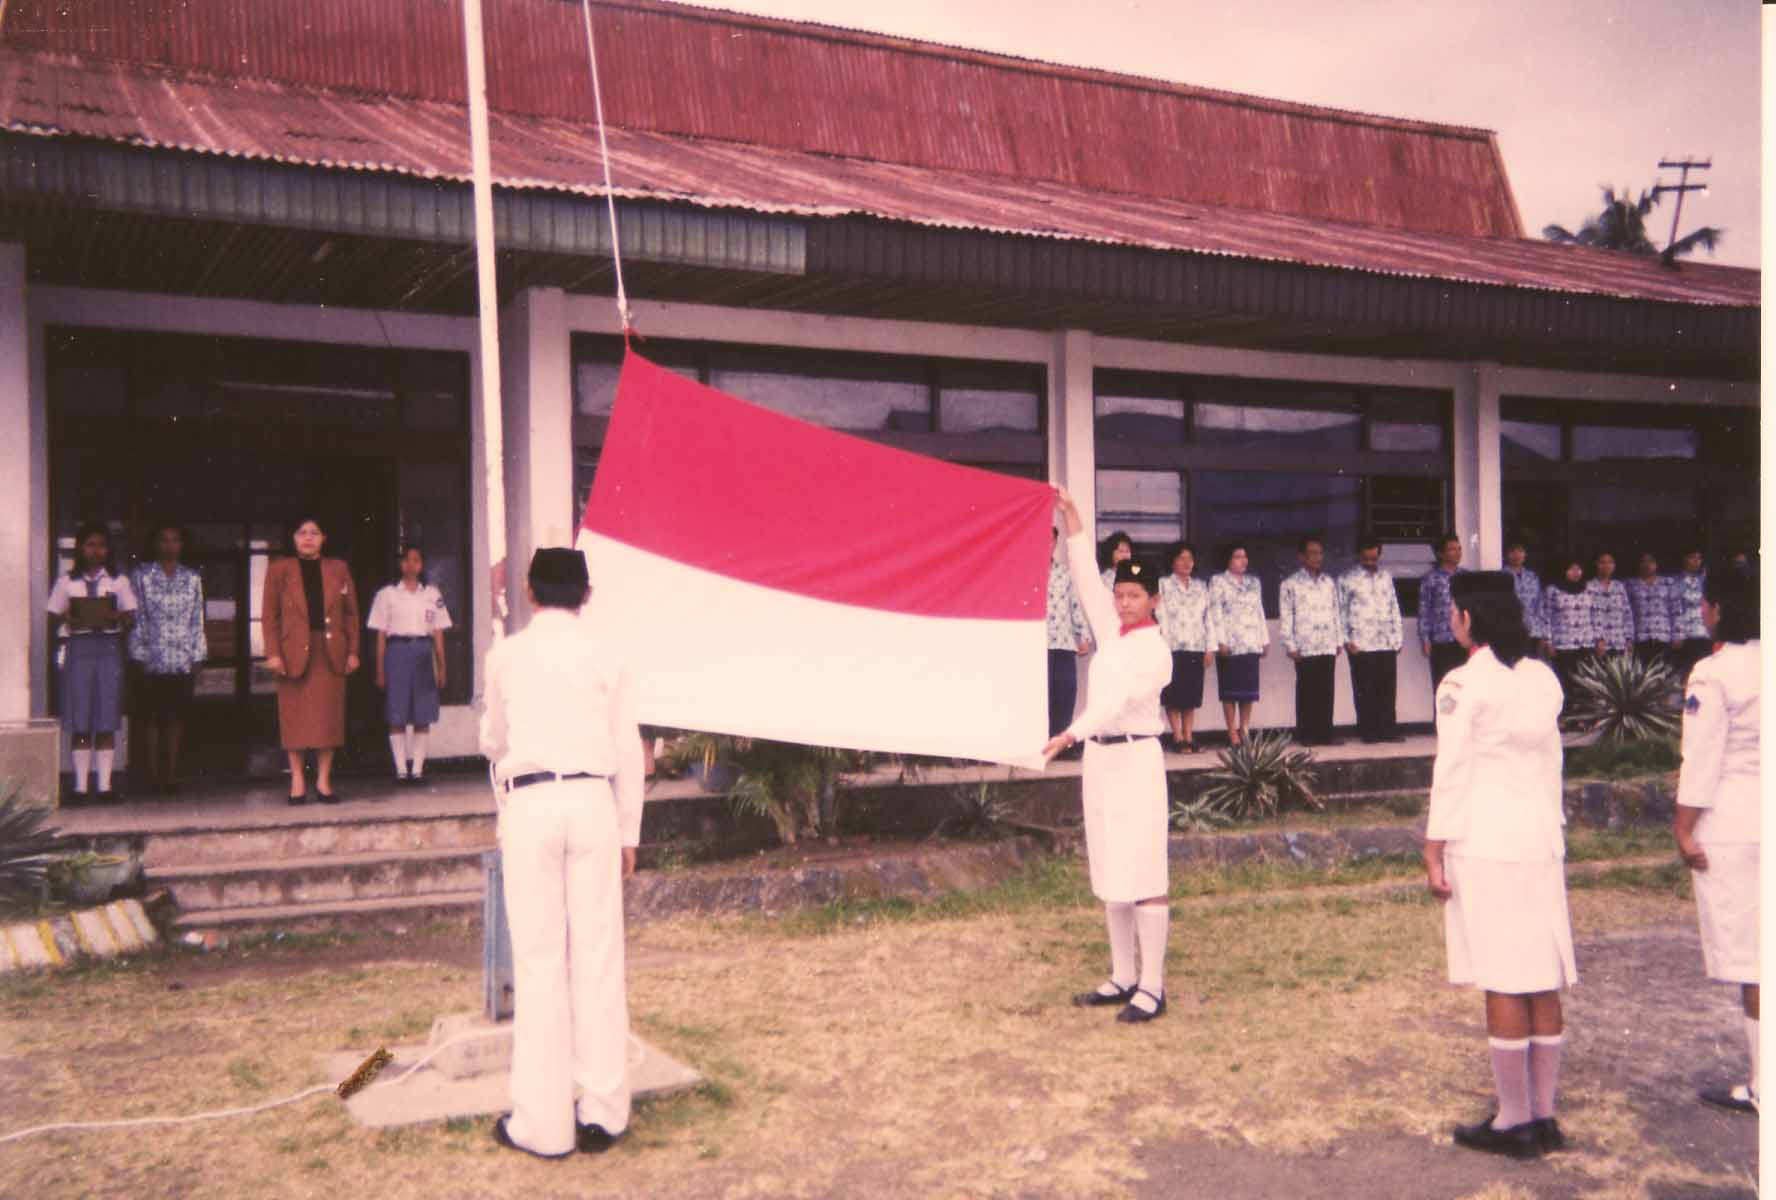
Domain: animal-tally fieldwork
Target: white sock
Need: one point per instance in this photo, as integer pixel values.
(105, 759)
(417, 739)
(1152, 923)
(1544, 1074)
(83, 761)
(1751, 1037)
(1510, 1073)
(398, 747)
(1120, 919)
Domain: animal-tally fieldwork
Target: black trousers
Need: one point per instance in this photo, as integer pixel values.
(1314, 676)
(1063, 689)
(1445, 657)
(1566, 665)
(1373, 677)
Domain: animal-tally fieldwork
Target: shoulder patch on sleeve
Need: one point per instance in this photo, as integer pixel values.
(1448, 702)
(1692, 704)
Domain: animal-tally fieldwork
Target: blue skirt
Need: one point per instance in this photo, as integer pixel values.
(92, 683)
(1185, 691)
(412, 682)
(1236, 675)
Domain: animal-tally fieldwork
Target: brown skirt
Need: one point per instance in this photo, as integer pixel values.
(311, 708)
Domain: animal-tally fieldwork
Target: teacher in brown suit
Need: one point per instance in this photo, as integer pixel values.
(310, 608)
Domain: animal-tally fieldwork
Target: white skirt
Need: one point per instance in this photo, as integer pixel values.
(1125, 821)
(1727, 911)
(1506, 926)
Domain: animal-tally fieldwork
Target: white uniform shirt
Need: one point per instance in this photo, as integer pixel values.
(1496, 785)
(1720, 774)
(1128, 671)
(102, 584)
(560, 698)
(402, 613)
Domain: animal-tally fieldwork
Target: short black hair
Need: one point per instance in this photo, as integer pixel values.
(1736, 594)
(298, 523)
(1443, 540)
(1368, 542)
(1177, 548)
(1227, 550)
(1497, 622)
(401, 557)
(1107, 547)
(1312, 539)
(86, 530)
(1516, 542)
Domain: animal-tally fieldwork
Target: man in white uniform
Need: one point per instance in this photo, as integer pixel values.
(561, 734)
(1718, 819)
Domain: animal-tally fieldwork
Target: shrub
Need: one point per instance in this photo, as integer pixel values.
(1261, 777)
(1198, 815)
(1624, 760)
(982, 810)
(793, 785)
(26, 849)
(1621, 699)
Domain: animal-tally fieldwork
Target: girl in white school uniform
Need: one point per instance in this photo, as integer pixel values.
(1124, 776)
(1717, 824)
(409, 618)
(97, 606)
(1495, 854)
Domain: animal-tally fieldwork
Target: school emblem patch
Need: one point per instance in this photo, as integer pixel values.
(1692, 704)
(1446, 703)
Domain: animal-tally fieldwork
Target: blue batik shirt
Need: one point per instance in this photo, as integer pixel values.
(168, 636)
(1184, 613)
(1067, 625)
(1435, 607)
(1236, 614)
(1369, 606)
(1529, 595)
(1570, 626)
(1612, 616)
(1310, 623)
(1686, 610)
(1655, 603)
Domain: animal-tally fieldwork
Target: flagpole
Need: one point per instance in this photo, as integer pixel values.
(487, 306)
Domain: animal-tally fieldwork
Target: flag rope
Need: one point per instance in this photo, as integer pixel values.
(610, 198)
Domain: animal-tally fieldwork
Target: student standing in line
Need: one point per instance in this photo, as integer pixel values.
(1435, 635)
(1375, 633)
(310, 611)
(1612, 615)
(1311, 629)
(1495, 854)
(98, 607)
(1184, 621)
(1529, 594)
(1069, 640)
(1115, 549)
(1652, 596)
(168, 644)
(1718, 823)
(1240, 637)
(1570, 629)
(409, 618)
(1689, 631)
(1124, 777)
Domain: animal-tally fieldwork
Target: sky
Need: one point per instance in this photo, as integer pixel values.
(1582, 93)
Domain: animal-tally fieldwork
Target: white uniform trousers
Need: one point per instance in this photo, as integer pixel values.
(562, 863)
(1727, 911)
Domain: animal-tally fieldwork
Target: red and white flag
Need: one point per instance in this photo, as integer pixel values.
(776, 579)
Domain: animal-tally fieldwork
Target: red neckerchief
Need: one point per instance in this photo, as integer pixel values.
(1148, 623)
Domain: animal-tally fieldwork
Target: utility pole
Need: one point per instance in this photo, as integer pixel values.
(1683, 184)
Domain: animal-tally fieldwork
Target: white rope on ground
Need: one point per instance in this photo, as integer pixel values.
(610, 197)
(636, 1054)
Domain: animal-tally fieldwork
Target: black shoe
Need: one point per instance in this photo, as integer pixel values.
(1548, 1135)
(325, 797)
(1133, 1015)
(109, 797)
(301, 799)
(505, 1139)
(594, 1139)
(1737, 1099)
(1519, 1141)
(1104, 999)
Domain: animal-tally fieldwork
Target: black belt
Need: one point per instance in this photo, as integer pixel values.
(1117, 739)
(524, 781)
(409, 637)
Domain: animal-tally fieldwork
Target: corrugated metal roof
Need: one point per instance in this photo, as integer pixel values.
(58, 96)
(795, 86)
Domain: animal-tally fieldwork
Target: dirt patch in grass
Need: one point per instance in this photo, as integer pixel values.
(886, 1052)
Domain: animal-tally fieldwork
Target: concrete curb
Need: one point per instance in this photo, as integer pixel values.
(119, 928)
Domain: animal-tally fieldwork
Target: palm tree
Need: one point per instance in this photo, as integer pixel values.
(1622, 226)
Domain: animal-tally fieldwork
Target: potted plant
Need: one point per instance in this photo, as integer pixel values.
(89, 878)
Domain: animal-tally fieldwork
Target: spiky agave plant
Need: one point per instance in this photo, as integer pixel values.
(26, 848)
(1622, 699)
(1263, 775)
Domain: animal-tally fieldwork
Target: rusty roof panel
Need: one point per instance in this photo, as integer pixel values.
(798, 86)
(59, 96)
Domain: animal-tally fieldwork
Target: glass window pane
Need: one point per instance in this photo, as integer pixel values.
(1242, 425)
(1147, 505)
(837, 401)
(1528, 441)
(595, 388)
(1406, 437)
(977, 403)
(1139, 418)
(1604, 443)
(1270, 512)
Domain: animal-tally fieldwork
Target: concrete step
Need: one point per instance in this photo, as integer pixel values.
(319, 879)
(394, 912)
(354, 834)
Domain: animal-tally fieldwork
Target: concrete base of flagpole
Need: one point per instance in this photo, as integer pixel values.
(473, 1077)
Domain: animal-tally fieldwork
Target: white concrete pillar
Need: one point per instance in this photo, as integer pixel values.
(19, 538)
(1072, 453)
(536, 379)
(1476, 482)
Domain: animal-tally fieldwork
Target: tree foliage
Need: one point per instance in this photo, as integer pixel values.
(1622, 225)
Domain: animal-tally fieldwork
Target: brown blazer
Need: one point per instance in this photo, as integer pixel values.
(285, 610)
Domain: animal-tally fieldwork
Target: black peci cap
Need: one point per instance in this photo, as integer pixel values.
(1482, 583)
(558, 567)
(1131, 570)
